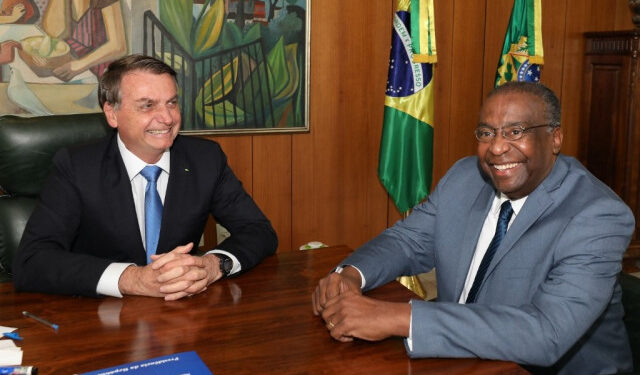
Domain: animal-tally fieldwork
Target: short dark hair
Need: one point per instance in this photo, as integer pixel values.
(109, 86)
(551, 102)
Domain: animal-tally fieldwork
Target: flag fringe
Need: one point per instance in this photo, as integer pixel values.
(413, 284)
(539, 60)
(431, 59)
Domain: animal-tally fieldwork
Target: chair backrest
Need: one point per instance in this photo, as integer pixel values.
(631, 302)
(27, 145)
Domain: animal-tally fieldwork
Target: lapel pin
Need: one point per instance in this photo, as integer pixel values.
(186, 169)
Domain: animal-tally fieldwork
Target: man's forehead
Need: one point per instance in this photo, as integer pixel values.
(516, 105)
(140, 85)
(513, 96)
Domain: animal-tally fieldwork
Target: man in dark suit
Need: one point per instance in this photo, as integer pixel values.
(527, 245)
(104, 226)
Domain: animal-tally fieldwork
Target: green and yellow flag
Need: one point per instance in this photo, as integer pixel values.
(522, 52)
(406, 149)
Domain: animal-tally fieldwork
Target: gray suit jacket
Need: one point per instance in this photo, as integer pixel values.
(550, 296)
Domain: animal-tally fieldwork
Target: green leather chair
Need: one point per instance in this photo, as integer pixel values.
(27, 145)
(631, 302)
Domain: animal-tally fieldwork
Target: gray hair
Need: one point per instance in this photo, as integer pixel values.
(551, 102)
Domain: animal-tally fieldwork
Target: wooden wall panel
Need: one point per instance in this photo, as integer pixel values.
(497, 19)
(311, 155)
(336, 196)
(583, 16)
(622, 16)
(553, 32)
(239, 151)
(272, 182)
(443, 80)
(466, 83)
(576, 24)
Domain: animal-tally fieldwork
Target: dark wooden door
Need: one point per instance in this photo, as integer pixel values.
(610, 142)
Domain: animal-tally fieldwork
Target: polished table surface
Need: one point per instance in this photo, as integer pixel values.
(258, 323)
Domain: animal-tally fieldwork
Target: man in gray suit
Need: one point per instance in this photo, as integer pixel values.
(527, 245)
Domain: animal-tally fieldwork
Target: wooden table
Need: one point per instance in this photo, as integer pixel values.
(258, 323)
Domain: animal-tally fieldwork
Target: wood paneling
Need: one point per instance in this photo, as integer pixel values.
(622, 16)
(576, 21)
(323, 185)
(466, 77)
(239, 151)
(497, 21)
(443, 79)
(272, 182)
(553, 32)
(335, 193)
(582, 16)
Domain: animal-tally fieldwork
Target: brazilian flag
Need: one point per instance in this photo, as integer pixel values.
(522, 52)
(406, 149)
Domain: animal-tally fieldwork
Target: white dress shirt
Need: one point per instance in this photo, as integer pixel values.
(486, 235)
(108, 283)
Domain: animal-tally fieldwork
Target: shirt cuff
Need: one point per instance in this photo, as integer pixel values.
(409, 340)
(236, 264)
(108, 283)
(340, 268)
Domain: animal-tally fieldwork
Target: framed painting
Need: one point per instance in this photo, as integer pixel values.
(242, 65)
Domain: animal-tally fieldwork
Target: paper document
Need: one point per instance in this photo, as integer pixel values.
(10, 354)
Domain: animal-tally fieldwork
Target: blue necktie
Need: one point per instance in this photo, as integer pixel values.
(501, 229)
(152, 209)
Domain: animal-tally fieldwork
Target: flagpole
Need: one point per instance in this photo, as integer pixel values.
(412, 282)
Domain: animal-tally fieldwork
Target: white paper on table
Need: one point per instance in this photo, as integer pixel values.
(4, 329)
(10, 354)
(8, 345)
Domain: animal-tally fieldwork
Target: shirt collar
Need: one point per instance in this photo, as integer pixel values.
(501, 198)
(134, 164)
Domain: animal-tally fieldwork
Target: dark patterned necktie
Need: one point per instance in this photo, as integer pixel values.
(501, 229)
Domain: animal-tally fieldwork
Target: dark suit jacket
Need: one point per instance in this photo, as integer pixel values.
(86, 216)
(550, 296)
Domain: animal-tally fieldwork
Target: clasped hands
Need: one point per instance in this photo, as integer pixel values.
(172, 275)
(348, 314)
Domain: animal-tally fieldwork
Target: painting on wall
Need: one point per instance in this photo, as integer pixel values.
(242, 65)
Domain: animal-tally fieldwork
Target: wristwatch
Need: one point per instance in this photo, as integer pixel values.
(226, 264)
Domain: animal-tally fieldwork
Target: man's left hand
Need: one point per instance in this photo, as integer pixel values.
(351, 315)
(183, 274)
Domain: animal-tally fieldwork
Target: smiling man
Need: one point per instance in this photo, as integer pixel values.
(527, 245)
(121, 216)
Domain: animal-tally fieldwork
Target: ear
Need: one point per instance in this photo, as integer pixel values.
(557, 140)
(110, 114)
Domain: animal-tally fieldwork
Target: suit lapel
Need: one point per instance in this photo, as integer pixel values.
(475, 221)
(175, 197)
(119, 202)
(535, 206)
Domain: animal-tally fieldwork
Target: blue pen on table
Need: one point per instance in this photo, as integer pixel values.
(12, 335)
(39, 319)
